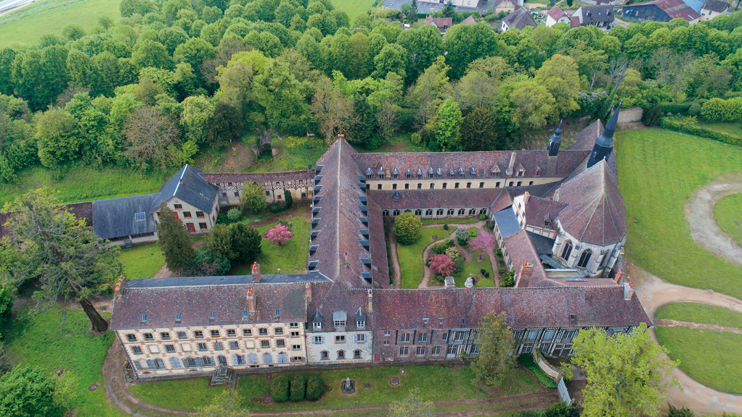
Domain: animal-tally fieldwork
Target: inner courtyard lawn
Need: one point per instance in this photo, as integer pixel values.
(728, 215)
(411, 256)
(700, 313)
(59, 339)
(142, 261)
(657, 172)
(712, 358)
(289, 258)
(372, 388)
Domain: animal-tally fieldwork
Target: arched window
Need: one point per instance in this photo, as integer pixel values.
(267, 358)
(252, 358)
(429, 212)
(418, 212)
(585, 258)
(461, 212)
(450, 212)
(223, 360)
(341, 354)
(567, 250)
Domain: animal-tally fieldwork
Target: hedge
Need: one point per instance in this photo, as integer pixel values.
(315, 387)
(675, 108)
(297, 387)
(280, 389)
(668, 123)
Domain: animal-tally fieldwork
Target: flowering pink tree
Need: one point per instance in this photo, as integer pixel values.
(279, 235)
(482, 242)
(441, 264)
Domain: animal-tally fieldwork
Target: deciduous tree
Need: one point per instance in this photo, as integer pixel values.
(532, 104)
(279, 234)
(253, 199)
(197, 111)
(560, 77)
(627, 374)
(495, 341)
(149, 136)
(57, 138)
(333, 110)
(224, 126)
(27, 391)
(407, 228)
(441, 265)
(174, 240)
(225, 404)
(412, 406)
(482, 243)
(466, 43)
(220, 239)
(447, 136)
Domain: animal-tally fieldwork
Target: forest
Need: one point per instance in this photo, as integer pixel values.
(175, 77)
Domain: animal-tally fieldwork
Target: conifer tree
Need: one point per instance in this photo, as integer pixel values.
(495, 340)
(174, 241)
(363, 127)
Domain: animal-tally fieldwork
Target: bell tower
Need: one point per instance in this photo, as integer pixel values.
(604, 143)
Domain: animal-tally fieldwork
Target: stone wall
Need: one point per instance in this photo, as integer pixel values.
(632, 115)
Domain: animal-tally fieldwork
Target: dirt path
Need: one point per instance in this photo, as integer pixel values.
(653, 293)
(701, 326)
(699, 210)
(396, 271)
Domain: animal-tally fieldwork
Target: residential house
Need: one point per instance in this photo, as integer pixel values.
(713, 8)
(518, 19)
(600, 16)
(558, 15)
(192, 199)
(661, 11)
(507, 6)
(440, 23)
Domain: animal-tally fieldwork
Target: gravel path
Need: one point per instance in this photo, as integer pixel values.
(700, 326)
(703, 229)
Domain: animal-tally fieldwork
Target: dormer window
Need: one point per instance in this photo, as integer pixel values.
(179, 317)
(395, 173)
(473, 172)
(520, 173)
(317, 325)
(430, 172)
(361, 324)
(538, 172)
(419, 173)
(144, 318)
(439, 172)
(451, 172)
(408, 173)
(381, 173)
(461, 173)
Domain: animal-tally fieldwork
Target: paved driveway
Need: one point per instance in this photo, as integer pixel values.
(424, 7)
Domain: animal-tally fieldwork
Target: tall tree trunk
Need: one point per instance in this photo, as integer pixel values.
(99, 323)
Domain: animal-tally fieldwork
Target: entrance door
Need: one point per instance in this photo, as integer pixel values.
(191, 227)
(176, 215)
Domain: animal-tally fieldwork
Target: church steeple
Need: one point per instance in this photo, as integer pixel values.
(604, 143)
(555, 141)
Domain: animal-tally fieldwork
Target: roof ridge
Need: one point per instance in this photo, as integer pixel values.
(256, 173)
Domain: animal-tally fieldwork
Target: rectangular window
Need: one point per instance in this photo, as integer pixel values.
(202, 226)
(419, 186)
(420, 351)
(318, 340)
(137, 350)
(404, 351)
(148, 336)
(200, 214)
(231, 333)
(387, 332)
(263, 332)
(165, 336)
(246, 332)
(174, 363)
(460, 336)
(182, 335)
(339, 323)
(456, 185)
(131, 337)
(279, 330)
(187, 214)
(405, 337)
(294, 334)
(265, 344)
(218, 346)
(407, 186)
(317, 325)
(293, 325)
(339, 339)
(361, 324)
(436, 351)
(215, 333)
(422, 337)
(394, 186)
(178, 206)
(386, 343)
(481, 185)
(378, 186)
(234, 345)
(360, 338)
(468, 185)
(280, 343)
(296, 347)
(169, 348)
(202, 347)
(198, 334)
(445, 336)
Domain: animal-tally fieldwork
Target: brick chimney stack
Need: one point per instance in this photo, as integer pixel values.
(308, 290)
(370, 301)
(628, 291)
(525, 274)
(251, 299)
(618, 277)
(526, 196)
(118, 290)
(255, 272)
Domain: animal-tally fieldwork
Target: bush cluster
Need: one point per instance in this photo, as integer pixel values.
(441, 247)
(720, 110)
(407, 228)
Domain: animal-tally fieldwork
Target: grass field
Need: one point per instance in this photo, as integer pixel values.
(399, 143)
(731, 128)
(59, 339)
(372, 388)
(291, 257)
(142, 261)
(353, 7)
(27, 24)
(709, 357)
(411, 256)
(294, 153)
(473, 267)
(83, 183)
(657, 172)
(700, 313)
(728, 215)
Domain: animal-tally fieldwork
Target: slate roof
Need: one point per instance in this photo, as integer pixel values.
(519, 19)
(595, 212)
(507, 222)
(595, 14)
(541, 244)
(259, 178)
(449, 198)
(715, 6)
(189, 186)
(524, 307)
(329, 298)
(161, 304)
(673, 8)
(116, 217)
(585, 138)
(485, 163)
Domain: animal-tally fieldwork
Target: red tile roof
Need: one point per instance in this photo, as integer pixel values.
(537, 210)
(468, 20)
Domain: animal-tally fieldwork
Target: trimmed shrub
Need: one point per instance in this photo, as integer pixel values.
(458, 265)
(502, 270)
(482, 216)
(462, 236)
(507, 280)
(498, 251)
(673, 124)
(288, 199)
(407, 228)
(441, 247)
(445, 227)
(315, 387)
(234, 214)
(280, 388)
(298, 387)
(695, 109)
(675, 108)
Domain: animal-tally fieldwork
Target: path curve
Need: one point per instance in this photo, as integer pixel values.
(699, 211)
(698, 326)
(654, 293)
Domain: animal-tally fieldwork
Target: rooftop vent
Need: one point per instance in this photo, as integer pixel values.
(365, 243)
(313, 235)
(312, 265)
(364, 232)
(318, 169)
(317, 189)
(363, 208)
(245, 314)
(363, 199)
(364, 220)
(316, 199)
(313, 249)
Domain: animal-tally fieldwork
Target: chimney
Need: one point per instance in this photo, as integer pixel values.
(251, 300)
(619, 275)
(628, 291)
(449, 283)
(526, 196)
(121, 285)
(255, 272)
(525, 274)
(370, 307)
(308, 288)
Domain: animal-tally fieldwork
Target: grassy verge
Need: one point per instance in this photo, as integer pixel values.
(733, 128)
(527, 361)
(711, 358)
(27, 24)
(294, 153)
(700, 313)
(411, 256)
(372, 388)
(657, 172)
(83, 183)
(469, 220)
(60, 339)
(289, 258)
(142, 261)
(728, 215)
(353, 7)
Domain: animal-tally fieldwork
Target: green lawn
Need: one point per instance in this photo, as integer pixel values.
(469, 220)
(142, 261)
(83, 183)
(473, 267)
(734, 128)
(294, 153)
(700, 313)
(27, 24)
(728, 215)
(411, 256)
(372, 388)
(657, 172)
(711, 358)
(353, 7)
(290, 258)
(53, 341)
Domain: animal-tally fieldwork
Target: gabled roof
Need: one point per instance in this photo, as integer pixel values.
(190, 187)
(673, 8)
(715, 6)
(593, 14)
(442, 23)
(507, 222)
(468, 20)
(126, 216)
(538, 208)
(556, 13)
(595, 211)
(519, 19)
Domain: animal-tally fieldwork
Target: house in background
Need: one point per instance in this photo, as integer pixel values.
(440, 23)
(461, 3)
(519, 19)
(600, 16)
(559, 15)
(661, 11)
(507, 6)
(713, 8)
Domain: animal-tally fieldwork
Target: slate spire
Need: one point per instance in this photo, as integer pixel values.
(555, 140)
(604, 143)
